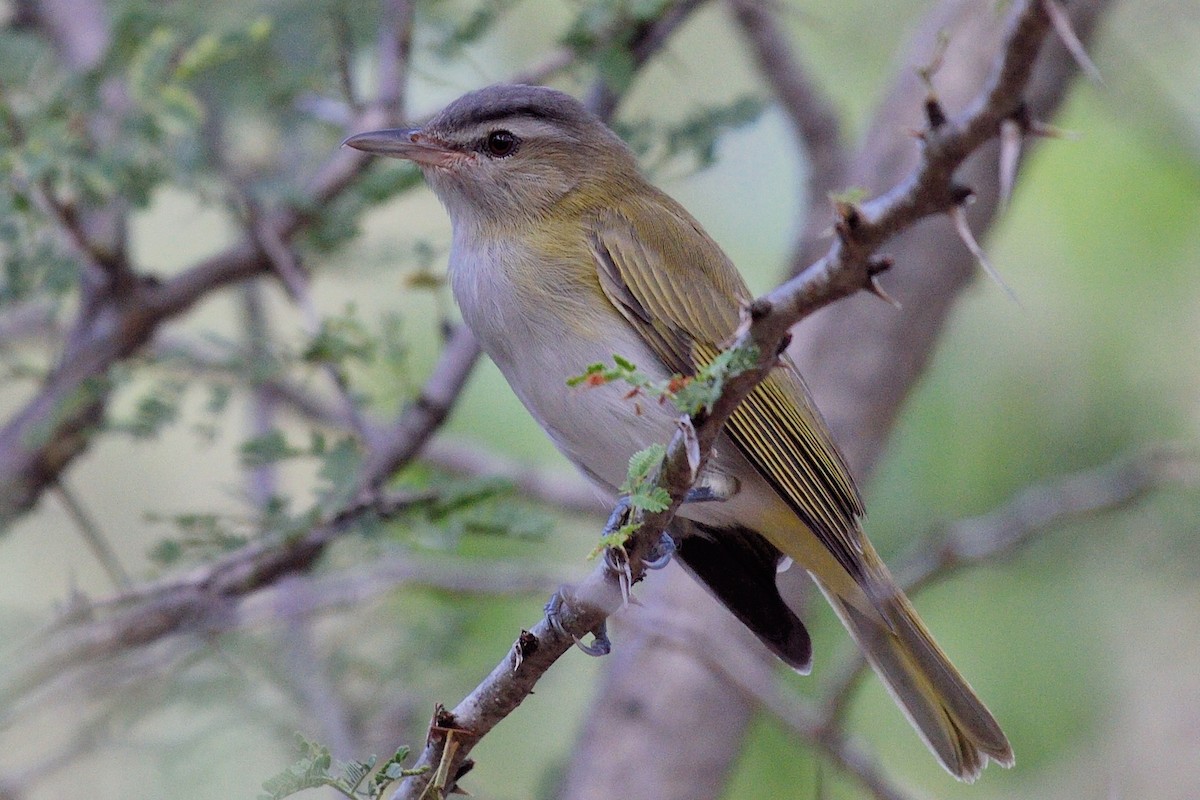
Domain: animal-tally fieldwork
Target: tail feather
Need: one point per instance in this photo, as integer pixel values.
(937, 700)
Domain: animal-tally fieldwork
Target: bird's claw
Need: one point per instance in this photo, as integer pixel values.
(619, 515)
(601, 645)
(707, 494)
(662, 554)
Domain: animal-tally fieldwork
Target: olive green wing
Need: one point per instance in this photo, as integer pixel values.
(675, 286)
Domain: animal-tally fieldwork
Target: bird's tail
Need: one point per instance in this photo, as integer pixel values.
(937, 700)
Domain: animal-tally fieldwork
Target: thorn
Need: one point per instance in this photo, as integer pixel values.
(877, 265)
(876, 288)
(927, 72)
(1010, 156)
(617, 561)
(784, 344)
(959, 215)
(526, 644)
(961, 195)
(691, 446)
(935, 115)
(848, 214)
(1045, 131)
(1062, 26)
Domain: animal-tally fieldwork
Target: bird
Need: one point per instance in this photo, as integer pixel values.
(563, 254)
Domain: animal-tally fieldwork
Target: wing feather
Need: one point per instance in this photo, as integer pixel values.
(674, 286)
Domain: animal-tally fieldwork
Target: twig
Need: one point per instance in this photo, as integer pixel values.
(286, 266)
(556, 487)
(847, 268)
(644, 43)
(41, 440)
(149, 613)
(395, 50)
(306, 673)
(350, 588)
(1026, 517)
(93, 536)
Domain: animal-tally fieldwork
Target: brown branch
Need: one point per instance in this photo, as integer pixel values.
(860, 360)
(201, 599)
(55, 426)
(849, 266)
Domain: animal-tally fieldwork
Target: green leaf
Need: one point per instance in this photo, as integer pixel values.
(267, 449)
(340, 339)
(650, 498)
(339, 467)
(641, 465)
(590, 370)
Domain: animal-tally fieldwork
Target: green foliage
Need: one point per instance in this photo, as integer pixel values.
(198, 534)
(335, 223)
(640, 493)
(690, 394)
(269, 448)
(340, 339)
(451, 28)
(475, 507)
(603, 32)
(705, 387)
(695, 136)
(317, 768)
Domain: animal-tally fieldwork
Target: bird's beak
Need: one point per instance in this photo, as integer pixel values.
(407, 143)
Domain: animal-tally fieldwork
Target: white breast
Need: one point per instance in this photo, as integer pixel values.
(538, 342)
(535, 338)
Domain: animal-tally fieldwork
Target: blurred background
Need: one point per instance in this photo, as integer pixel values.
(1085, 644)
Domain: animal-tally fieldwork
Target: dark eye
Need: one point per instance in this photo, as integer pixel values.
(501, 143)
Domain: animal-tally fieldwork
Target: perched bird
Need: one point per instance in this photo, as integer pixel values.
(563, 255)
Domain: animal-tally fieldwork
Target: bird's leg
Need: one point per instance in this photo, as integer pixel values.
(662, 553)
(615, 558)
(713, 490)
(601, 645)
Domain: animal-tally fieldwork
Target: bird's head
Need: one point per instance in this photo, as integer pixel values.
(507, 153)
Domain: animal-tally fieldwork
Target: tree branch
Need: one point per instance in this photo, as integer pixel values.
(209, 594)
(55, 426)
(850, 265)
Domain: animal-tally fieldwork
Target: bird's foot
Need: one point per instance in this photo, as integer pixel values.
(601, 645)
(662, 553)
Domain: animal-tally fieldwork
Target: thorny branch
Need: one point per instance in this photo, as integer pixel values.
(850, 266)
